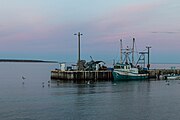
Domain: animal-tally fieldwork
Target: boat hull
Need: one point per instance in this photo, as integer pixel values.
(121, 76)
(173, 77)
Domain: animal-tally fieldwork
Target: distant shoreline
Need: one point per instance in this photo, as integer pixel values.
(37, 61)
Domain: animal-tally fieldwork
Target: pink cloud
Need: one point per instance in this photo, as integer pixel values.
(124, 22)
(125, 16)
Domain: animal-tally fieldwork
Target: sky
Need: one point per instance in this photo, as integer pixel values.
(44, 29)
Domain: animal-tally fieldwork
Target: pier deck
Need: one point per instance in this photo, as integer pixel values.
(82, 75)
(103, 75)
(155, 73)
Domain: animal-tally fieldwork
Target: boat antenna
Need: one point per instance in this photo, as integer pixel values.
(127, 55)
(133, 51)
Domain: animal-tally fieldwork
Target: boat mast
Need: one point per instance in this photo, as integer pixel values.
(133, 51)
(121, 51)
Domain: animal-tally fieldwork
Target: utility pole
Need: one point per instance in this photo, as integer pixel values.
(148, 65)
(79, 56)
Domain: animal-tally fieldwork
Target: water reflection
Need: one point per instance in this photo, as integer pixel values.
(81, 88)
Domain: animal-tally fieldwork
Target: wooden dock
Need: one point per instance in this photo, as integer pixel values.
(155, 73)
(103, 75)
(82, 75)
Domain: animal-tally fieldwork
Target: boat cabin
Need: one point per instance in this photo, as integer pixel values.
(125, 68)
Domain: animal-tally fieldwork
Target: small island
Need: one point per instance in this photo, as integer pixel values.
(18, 60)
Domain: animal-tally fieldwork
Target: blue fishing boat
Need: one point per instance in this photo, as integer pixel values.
(127, 70)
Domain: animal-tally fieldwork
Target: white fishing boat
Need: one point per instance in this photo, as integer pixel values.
(173, 77)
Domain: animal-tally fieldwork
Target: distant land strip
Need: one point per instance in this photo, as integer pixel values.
(38, 61)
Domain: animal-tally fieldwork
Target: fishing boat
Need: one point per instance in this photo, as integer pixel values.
(127, 70)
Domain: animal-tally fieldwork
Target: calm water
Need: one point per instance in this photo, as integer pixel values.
(137, 100)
